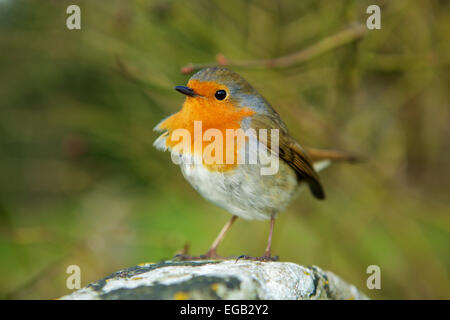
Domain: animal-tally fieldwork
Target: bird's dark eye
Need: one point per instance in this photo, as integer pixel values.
(220, 94)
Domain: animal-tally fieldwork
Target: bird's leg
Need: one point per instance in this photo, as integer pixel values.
(212, 251)
(267, 254)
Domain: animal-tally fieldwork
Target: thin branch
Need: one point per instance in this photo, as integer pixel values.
(341, 38)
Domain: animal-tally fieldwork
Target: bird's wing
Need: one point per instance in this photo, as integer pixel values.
(289, 151)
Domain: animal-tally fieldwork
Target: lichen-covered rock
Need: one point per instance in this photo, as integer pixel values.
(219, 280)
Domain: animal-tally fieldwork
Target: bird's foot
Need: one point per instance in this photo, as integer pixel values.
(210, 255)
(264, 258)
(185, 257)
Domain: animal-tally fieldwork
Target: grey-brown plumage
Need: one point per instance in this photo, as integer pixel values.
(244, 191)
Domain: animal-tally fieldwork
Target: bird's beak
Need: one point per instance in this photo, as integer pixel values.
(186, 90)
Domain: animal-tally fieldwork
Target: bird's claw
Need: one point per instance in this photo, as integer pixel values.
(207, 256)
(184, 257)
(264, 258)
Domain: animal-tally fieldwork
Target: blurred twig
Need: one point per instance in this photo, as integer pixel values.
(341, 38)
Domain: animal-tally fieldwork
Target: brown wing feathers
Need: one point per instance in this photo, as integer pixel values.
(302, 164)
(291, 152)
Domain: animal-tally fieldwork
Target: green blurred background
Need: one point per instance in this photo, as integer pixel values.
(81, 183)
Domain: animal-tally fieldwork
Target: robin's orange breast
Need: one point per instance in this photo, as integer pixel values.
(215, 120)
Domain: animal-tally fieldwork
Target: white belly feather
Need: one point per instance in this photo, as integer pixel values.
(243, 191)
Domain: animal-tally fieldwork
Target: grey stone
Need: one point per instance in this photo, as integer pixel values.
(227, 279)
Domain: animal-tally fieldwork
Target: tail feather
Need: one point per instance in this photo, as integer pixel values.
(318, 155)
(321, 164)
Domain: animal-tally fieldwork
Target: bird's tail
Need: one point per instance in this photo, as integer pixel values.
(323, 158)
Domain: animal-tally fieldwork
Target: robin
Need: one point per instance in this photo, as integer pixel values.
(221, 100)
